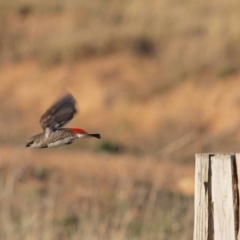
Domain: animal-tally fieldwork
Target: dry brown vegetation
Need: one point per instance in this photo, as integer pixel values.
(158, 80)
(80, 195)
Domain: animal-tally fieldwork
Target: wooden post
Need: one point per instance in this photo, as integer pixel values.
(216, 197)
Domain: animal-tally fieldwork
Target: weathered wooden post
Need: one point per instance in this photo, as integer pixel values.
(216, 197)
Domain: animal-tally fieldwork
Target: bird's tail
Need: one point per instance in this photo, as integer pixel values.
(96, 135)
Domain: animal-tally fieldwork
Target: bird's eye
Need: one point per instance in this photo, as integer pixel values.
(29, 144)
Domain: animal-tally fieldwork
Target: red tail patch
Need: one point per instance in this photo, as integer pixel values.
(77, 130)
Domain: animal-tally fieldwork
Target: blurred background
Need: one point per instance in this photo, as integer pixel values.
(158, 79)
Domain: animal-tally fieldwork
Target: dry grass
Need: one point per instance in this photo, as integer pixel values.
(191, 38)
(95, 197)
(127, 213)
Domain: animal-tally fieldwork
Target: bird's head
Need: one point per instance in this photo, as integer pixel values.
(35, 141)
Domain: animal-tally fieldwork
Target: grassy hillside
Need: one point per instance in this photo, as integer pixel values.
(187, 37)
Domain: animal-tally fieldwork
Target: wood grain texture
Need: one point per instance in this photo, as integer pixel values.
(201, 197)
(222, 197)
(217, 197)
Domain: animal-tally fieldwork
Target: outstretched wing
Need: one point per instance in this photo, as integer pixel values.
(58, 114)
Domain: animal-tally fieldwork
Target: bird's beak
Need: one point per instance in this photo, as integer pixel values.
(27, 144)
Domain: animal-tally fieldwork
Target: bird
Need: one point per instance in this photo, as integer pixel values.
(52, 121)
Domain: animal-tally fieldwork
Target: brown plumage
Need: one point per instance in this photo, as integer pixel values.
(59, 114)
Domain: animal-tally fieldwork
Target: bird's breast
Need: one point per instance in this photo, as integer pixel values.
(60, 142)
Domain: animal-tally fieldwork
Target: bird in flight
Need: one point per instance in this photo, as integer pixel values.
(52, 121)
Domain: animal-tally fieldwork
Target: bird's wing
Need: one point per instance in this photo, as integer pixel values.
(59, 114)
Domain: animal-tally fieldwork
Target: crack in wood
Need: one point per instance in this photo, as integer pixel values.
(235, 194)
(210, 203)
(217, 197)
